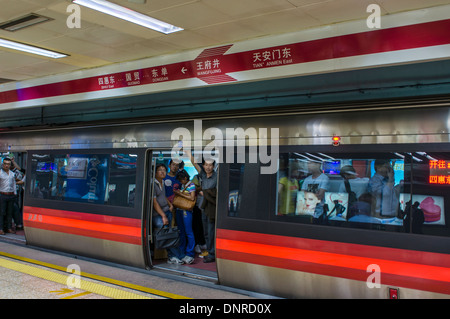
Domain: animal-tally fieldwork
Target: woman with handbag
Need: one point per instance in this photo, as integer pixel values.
(162, 215)
(184, 200)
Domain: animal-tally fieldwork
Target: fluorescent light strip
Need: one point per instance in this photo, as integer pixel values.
(128, 15)
(30, 49)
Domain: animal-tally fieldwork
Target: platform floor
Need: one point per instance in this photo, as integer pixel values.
(32, 273)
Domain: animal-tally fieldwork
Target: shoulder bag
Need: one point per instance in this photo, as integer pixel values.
(183, 203)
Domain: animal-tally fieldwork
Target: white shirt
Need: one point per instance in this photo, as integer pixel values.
(7, 182)
(386, 196)
(313, 185)
(357, 185)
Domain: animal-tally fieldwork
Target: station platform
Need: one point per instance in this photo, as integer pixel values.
(32, 273)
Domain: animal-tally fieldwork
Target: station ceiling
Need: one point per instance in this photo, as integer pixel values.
(103, 40)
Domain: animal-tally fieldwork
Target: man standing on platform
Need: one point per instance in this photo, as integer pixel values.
(7, 196)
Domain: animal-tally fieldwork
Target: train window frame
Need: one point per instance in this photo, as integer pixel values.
(94, 208)
(376, 152)
(270, 224)
(326, 213)
(249, 211)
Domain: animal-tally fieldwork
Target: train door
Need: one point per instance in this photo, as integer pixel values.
(149, 177)
(156, 258)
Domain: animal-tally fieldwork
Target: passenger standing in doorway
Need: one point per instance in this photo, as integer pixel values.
(162, 212)
(197, 224)
(7, 196)
(184, 218)
(170, 182)
(208, 177)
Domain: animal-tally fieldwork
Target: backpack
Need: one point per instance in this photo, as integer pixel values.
(351, 195)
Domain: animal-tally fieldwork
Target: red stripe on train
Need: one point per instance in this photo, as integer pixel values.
(327, 258)
(121, 229)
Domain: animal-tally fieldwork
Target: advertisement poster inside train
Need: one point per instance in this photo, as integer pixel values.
(309, 204)
(432, 207)
(77, 167)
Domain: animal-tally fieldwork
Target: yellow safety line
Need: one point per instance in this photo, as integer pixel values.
(99, 278)
(62, 279)
(77, 295)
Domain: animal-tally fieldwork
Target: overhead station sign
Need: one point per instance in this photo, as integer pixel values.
(233, 63)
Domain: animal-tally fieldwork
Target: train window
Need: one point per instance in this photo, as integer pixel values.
(357, 191)
(249, 191)
(92, 178)
(429, 198)
(404, 192)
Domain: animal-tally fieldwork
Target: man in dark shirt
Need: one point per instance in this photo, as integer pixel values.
(208, 181)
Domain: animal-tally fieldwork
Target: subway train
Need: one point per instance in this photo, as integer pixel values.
(89, 190)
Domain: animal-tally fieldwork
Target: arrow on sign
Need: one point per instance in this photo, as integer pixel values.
(214, 65)
(210, 65)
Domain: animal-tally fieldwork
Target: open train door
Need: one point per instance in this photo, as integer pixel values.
(156, 258)
(152, 158)
(149, 176)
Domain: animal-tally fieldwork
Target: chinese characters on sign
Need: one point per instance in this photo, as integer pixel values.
(272, 57)
(131, 78)
(439, 172)
(107, 82)
(208, 67)
(159, 74)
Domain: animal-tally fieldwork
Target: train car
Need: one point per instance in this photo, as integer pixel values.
(89, 187)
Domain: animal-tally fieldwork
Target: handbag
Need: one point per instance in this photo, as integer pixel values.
(351, 195)
(167, 237)
(183, 203)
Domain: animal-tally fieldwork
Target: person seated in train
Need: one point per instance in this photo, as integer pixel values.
(288, 187)
(385, 195)
(184, 217)
(162, 212)
(352, 183)
(170, 182)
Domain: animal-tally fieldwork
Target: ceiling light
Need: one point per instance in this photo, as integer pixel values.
(128, 15)
(23, 22)
(30, 49)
